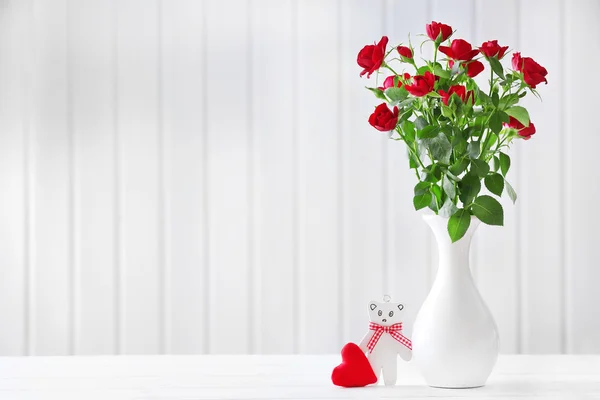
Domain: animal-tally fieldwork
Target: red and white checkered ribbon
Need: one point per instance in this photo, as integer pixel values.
(392, 330)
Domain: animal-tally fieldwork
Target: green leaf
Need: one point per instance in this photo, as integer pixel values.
(449, 188)
(378, 93)
(446, 111)
(420, 123)
(504, 163)
(483, 97)
(422, 187)
(460, 145)
(422, 200)
(447, 209)
(495, 183)
(496, 122)
(412, 161)
(408, 128)
(431, 173)
(450, 175)
(496, 67)
(489, 142)
(469, 186)
(473, 149)
(488, 210)
(509, 101)
(441, 72)
(459, 167)
(495, 163)
(458, 224)
(495, 99)
(440, 147)
(480, 167)
(428, 132)
(437, 192)
(396, 94)
(433, 205)
(405, 115)
(504, 117)
(520, 114)
(407, 102)
(422, 70)
(511, 192)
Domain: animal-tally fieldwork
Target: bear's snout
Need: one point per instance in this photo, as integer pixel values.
(384, 320)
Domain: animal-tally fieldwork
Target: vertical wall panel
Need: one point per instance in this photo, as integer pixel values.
(274, 139)
(184, 102)
(228, 188)
(92, 120)
(496, 260)
(139, 138)
(51, 138)
(581, 189)
(542, 241)
(320, 302)
(13, 201)
(407, 241)
(363, 170)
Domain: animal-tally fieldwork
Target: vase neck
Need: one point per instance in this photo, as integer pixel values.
(453, 257)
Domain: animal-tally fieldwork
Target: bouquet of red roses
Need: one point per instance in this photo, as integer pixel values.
(455, 131)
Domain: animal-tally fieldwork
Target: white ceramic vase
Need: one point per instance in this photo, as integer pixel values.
(455, 338)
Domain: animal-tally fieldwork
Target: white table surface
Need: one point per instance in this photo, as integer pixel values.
(275, 377)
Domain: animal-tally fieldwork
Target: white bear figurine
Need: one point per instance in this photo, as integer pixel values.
(385, 341)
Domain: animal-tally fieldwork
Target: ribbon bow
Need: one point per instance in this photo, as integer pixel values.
(392, 330)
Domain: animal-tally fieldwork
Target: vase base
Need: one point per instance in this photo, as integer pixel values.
(456, 386)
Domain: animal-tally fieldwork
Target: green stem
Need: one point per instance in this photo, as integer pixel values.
(413, 152)
(391, 69)
(491, 82)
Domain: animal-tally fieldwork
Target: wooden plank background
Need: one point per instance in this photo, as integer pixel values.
(178, 173)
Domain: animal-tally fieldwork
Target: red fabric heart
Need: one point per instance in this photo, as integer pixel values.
(355, 370)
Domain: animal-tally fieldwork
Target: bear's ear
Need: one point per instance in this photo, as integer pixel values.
(372, 306)
(400, 307)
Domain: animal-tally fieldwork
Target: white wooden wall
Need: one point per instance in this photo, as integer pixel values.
(198, 177)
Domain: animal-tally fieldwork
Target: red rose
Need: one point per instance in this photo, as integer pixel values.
(389, 81)
(524, 132)
(474, 68)
(383, 119)
(434, 29)
(533, 73)
(492, 48)
(460, 91)
(459, 50)
(371, 57)
(405, 52)
(422, 84)
(517, 61)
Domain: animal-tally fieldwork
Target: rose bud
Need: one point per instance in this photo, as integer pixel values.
(384, 119)
(405, 52)
(522, 130)
(533, 73)
(371, 57)
(435, 29)
(389, 81)
(491, 48)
